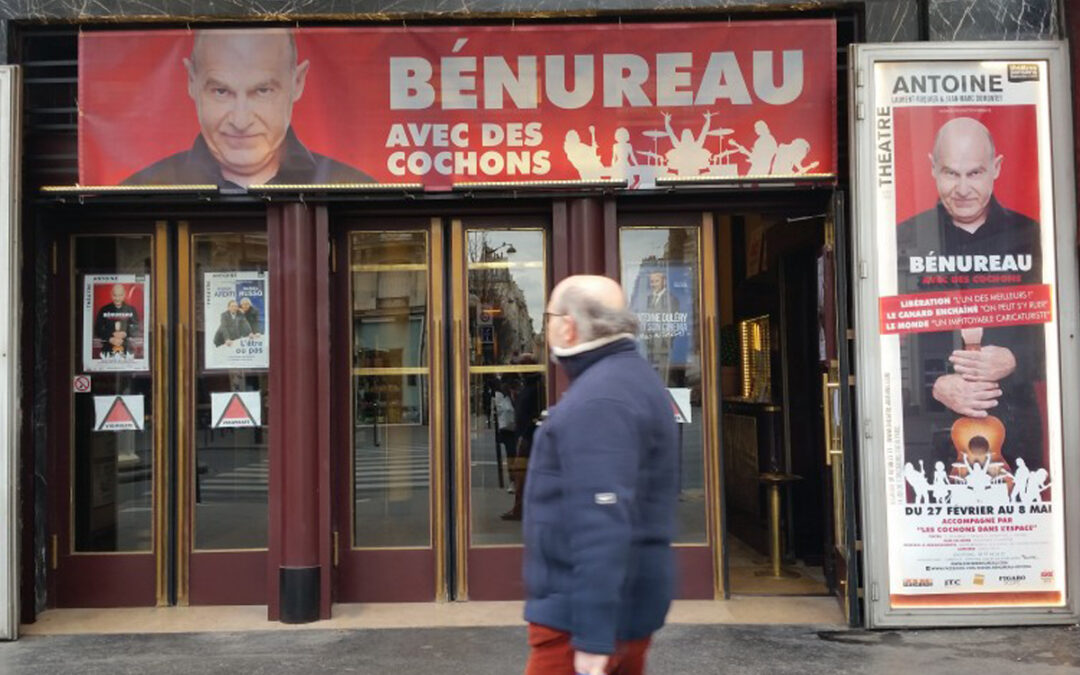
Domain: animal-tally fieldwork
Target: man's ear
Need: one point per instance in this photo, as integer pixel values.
(997, 165)
(190, 68)
(299, 78)
(933, 164)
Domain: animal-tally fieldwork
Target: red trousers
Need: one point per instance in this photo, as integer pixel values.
(551, 654)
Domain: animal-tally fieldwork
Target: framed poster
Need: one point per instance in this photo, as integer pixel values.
(964, 218)
(116, 310)
(236, 320)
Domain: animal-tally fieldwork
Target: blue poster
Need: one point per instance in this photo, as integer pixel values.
(662, 296)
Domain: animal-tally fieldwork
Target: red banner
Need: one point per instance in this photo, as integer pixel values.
(452, 105)
(956, 310)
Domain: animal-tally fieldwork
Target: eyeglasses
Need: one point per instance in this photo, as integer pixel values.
(548, 315)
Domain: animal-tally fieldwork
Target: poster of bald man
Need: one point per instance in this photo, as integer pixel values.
(968, 332)
(242, 87)
(115, 311)
(236, 108)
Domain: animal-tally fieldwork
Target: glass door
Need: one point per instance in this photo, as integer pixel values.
(663, 260)
(501, 281)
(108, 531)
(160, 448)
(223, 419)
(389, 472)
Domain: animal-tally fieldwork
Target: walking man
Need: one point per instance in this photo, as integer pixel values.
(601, 495)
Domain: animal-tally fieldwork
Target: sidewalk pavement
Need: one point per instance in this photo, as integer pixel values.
(679, 650)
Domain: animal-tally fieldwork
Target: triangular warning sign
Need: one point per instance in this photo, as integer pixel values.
(236, 414)
(119, 417)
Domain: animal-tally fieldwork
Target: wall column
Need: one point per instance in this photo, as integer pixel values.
(299, 569)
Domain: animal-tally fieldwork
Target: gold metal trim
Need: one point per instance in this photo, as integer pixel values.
(211, 551)
(520, 368)
(408, 370)
(437, 344)
(459, 348)
(335, 187)
(160, 369)
(710, 387)
(337, 547)
(507, 264)
(84, 189)
(767, 178)
(185, 408)
(481, 185)
(388, 267)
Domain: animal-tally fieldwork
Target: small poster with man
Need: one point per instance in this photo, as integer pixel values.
(115, 311)
(236, 322)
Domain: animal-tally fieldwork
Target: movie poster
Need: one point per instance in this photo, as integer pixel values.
(116, 309)
(236, 321)
(968, 331)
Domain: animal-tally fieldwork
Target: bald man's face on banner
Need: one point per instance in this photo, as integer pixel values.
(965, 168)
(244, 85)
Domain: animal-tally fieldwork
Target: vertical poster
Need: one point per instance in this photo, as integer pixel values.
(968, 334)
(662, 298)
(236, 320)
(116, 308)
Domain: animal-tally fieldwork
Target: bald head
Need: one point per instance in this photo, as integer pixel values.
(965, 165)
(278, 41)
(963, 132)
(607, 292)
(585, 308)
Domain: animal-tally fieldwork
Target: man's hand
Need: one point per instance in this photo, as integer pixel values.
(966, 397)
(989, 364)
(590, 664)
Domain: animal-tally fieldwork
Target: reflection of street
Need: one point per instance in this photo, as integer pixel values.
(392, 486)
(232, 488)
(489, 500)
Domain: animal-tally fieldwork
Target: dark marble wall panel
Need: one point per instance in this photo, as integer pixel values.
(282, 9)
(892, 21)
(994, 20)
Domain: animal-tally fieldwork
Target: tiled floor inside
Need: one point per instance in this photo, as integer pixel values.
(744, 565)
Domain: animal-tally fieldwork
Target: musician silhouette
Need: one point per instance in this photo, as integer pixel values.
(688, 155)
(584, 158)
(763, 152)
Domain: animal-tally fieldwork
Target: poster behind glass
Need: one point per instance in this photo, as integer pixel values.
(237, 322)
(115, 312)
(968, 333)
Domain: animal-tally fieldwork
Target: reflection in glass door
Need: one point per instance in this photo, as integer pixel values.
(395, 421)
(108, 524)
(227, 414)
(503, 362)
(661, 263)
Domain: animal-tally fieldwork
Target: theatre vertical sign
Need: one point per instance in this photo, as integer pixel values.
(971, 440)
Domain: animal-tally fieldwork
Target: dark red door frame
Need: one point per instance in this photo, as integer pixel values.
(299, 560)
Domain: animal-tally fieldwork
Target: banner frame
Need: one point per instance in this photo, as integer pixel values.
(870, 424)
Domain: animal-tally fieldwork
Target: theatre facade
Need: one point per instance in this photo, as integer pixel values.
(276, 295)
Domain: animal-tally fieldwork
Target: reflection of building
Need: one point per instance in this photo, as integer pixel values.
(503, 326)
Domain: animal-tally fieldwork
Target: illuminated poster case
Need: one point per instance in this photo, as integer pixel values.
(966, 300)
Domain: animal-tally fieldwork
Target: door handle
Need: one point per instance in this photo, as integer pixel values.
(831, 446)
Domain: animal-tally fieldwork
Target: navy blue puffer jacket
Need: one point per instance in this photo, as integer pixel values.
(600, 502)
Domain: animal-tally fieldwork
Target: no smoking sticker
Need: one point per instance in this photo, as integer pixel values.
(80, 384)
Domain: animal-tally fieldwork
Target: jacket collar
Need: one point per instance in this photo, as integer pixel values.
(297, 162)
(577, 359)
